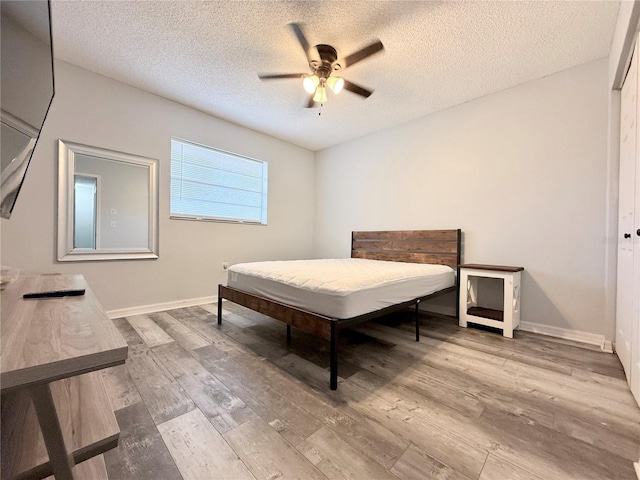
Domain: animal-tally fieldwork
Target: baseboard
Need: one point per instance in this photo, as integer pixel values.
(575, 335)
(158, 307)
(607, 346)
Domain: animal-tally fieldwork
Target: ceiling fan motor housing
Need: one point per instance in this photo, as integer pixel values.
(327, 63)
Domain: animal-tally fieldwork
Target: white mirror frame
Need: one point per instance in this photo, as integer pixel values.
(66, 172)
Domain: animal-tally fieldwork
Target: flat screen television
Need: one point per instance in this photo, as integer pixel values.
(26, 89)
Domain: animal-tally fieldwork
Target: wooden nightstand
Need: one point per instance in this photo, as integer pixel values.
(506, 319)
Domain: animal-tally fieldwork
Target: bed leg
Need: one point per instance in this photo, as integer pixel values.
(288, 334)
(219, 306)
(458, 294)
(417, 322)
(333, 379)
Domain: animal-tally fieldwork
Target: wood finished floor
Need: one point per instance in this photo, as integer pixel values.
(196, 401)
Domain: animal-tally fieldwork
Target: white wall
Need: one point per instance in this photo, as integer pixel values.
(93, 110)
(522, 172)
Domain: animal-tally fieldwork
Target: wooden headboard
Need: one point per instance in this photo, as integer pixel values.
(441, 247)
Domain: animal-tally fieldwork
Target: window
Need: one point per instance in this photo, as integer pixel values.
(210, 184)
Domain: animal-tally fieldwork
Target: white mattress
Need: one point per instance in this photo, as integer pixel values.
(340, 288)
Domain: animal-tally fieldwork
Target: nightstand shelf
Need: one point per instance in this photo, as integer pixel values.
(506, 319)
(490, 313)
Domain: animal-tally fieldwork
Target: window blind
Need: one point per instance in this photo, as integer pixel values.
(211, 184)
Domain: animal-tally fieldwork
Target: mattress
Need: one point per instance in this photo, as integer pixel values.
(340, 288)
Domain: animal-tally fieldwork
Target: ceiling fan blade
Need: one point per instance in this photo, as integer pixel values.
(310, 103)
(297, 30)
(277, 76)
(355, 57)
(352, 87)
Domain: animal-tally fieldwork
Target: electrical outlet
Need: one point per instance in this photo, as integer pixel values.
(225, 265)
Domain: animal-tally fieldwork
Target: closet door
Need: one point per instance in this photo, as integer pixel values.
(635, 283)
(624, 300)
(635, 332)
(628, 290)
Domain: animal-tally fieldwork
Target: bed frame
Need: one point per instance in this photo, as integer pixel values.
(415, 246)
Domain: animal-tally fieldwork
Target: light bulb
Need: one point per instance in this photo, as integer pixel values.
(310, 83)
(321, 94)
(336, 84)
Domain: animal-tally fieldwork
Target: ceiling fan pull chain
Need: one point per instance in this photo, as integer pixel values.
(320, 111)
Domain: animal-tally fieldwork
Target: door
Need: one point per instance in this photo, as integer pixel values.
(635, 286)
(85, 212)
(634, 231)
(627, 301)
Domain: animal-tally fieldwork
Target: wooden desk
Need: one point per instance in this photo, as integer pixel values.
(44, 341)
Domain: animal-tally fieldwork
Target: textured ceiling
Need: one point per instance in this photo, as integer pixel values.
(437, 54)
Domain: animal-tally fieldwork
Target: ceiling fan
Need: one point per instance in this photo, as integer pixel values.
(323, 67)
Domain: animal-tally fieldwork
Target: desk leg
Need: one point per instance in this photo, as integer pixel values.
(61, 461)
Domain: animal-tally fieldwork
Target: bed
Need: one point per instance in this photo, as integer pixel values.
(388, 271)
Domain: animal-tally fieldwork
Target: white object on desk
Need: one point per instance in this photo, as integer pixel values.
(506, 319)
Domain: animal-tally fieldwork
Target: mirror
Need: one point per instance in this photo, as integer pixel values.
(27, 87)
(107, 204)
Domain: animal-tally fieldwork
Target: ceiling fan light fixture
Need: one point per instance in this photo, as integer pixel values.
(320, 95)
(310, 83)
(336, 84)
